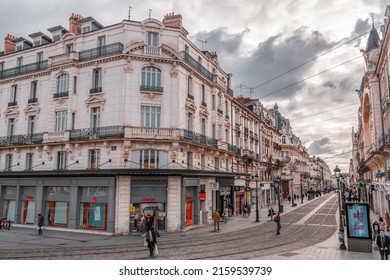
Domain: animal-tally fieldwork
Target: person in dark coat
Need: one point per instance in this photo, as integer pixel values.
(383, 243)
(151, 238)
(40, 224)
(277, 221)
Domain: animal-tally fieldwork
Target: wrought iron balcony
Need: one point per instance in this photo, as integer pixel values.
(198, 66)
(32, 100)
(25, 139)
(198, 138)
(23, 69)
(96, 90)
(204, 104)
(97, 133)
(61, 94)
(189, 96)
(111, 49)
(220, 111)
(151, 88)
(12, 103)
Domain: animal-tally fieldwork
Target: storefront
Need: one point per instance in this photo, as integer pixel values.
(27, 205)
(190, 202)
(8, 202)
(148, 196)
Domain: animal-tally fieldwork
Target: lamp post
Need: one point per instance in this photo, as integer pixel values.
(292, 192)
(276, 186)
(257, 198)
(341, 224)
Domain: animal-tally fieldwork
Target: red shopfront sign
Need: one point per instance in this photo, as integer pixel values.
(29, 197)
(202, 196)
(149, 199)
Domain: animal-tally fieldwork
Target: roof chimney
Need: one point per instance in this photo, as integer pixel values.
(172, 20)
(9, 46)
(74, 26)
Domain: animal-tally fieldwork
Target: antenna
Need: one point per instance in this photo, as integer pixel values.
(128, 17)
(150, 13)
(202, 41)
(241, 86)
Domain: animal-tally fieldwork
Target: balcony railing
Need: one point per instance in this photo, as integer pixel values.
(12, 103)
(97, 133)
(189, 96)
(61, 94)
(204, 104)
(198, 138)
(151, 50)
(151, 88)
(32, 100)
(24, 139)
(151, 132)
(115, 48)
(96, 90)
(24, 69)
(198, 66)
(220, 111)
(384, 140)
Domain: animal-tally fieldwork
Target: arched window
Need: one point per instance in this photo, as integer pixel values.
(151, 79)
(63, 85)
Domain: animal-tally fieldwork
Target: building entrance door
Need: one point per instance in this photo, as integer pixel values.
(188, 213)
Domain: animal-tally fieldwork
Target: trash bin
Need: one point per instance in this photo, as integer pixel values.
(281, 209)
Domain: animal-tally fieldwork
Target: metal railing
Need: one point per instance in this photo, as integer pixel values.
(151, 88)
(107, 50)
(61, 94)
(33, 100)
(23, 69)
(12, 103)
(198, 66)
(97, 132)
(24, 139)
(96, 90)
(198, 138)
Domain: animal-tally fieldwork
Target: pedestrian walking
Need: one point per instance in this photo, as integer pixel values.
(387, 221)
(142, 224)
(302, 197)
(225, 215)
(277, 221)
(271, 213)
(383, 243)
(216, 219)
(151, 239)
(381, 223)
(375, 231)
(40, 224)
(289, 198)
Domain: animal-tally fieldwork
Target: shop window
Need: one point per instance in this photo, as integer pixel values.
(9, 210)
(28, 211)
(149, 159)
(93, 215)
(56, 213)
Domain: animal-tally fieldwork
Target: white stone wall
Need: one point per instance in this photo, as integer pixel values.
(173, 204)
(122, 209)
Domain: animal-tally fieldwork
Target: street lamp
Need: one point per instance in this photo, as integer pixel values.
(257, 197)
(276, 186)
(292, 192)
(341, 224)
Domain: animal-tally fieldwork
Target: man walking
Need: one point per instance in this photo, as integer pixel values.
(40, 224)
(277, 221)
(216, 219)
(383, 243)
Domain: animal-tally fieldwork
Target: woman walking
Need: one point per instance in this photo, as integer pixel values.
(151, 238)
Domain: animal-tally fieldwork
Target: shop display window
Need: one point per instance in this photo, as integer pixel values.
(28, 211)
(9, 210)
(93, 215)
(56, 213)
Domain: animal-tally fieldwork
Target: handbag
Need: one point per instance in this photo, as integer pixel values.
(155, 252)
(145, 242)
(275, 219)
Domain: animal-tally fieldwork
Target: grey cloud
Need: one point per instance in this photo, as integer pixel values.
(319, 147)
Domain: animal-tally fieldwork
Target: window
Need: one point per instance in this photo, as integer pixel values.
(219, 132)
(62, 158)
(216, 163)
(203, 94)
(40, 57)
(227, 165)
(96, 80)
(19, 61)
(8, 162)
(11, 127)
(153, 39)
(60, 122)
(190, 121)
(56, 212)
(214, 132)
(149, 159)
(14, 92)
(75, 84)
(69, 48)
(202, 162)
(227, 135)
(190, 157)
(33, 91)
(219, 102)
(203, 127)
(101, 41)
(63, 85)
(94, 159)
(29, 161)
(73, 120)
(151, 79)
(283, 139)
(189, 87)
(150, 116)
(227, 108)
(95, 117)
(31, 125)
(86, 29)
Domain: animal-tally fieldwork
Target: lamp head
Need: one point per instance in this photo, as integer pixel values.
(337, 172)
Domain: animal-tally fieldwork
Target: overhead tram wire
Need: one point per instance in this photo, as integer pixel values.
(312, 76)
(308, 61)
(322, 112)
(306, 124)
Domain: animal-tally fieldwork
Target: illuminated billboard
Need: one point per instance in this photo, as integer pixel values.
(358, 220)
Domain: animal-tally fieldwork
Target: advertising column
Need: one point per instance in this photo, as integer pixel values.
(358, 227)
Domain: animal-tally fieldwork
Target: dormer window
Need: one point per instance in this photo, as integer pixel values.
(86, 29)
(69, 48)
(153, 39)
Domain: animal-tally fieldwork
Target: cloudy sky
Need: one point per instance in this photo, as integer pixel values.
(303, 55)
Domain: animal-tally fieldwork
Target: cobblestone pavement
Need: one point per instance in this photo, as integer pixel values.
(308, 232)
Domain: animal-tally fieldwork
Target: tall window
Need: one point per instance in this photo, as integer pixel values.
(33, 91)
(219, 132)
(63, 84)
(153, 39)
(94, 159)
(227, 108)
(29, 161)
(190, 118)
(189, 86)
(11, 127)
(31, 125)
(8, 162)
(203, 94)
(227, 135)
(62, 158)
(95, 117)
(216, 163)
(101, 42)
(190, 157)
(203, 126)
(202, 162)
(69, 48)
(149, 159)
(97, 80)
(74, 84)
(61, 118)
(19, 61)
(40, 57)
(219, 102)
(151, 78)
(150, 116)
(14, 94)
